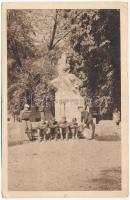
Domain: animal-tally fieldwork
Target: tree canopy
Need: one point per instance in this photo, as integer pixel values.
(37, 38)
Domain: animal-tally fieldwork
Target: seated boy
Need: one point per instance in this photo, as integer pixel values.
(43, 130)
(74, 128)
(54, 129)
(64, 128)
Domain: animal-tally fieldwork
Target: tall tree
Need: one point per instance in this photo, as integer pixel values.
(95, 41)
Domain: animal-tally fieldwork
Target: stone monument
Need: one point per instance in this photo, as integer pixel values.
(67, 97)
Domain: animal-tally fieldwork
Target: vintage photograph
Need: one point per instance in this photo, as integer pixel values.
(64, 111)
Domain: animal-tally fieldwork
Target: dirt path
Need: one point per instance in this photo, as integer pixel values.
(65, 165)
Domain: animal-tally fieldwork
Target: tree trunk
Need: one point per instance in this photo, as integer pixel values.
(50, 46)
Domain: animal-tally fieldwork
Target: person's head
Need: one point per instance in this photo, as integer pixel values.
(42, 121)
(116, 110)
(47, 123)
(26, 107)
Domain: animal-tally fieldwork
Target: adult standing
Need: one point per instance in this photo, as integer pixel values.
(87, 120)
(26, 124)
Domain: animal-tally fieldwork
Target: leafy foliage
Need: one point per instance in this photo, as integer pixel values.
(95, 40)
(36, 40)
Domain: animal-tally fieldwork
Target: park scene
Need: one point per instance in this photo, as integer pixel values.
(64, 100)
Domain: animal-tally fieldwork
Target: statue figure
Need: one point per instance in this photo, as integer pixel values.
(67, 97)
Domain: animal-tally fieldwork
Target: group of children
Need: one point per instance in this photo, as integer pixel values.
(54, 130)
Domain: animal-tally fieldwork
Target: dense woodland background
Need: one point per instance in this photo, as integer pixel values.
(36, 40)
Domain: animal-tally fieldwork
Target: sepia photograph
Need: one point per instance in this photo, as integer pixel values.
(65, 88)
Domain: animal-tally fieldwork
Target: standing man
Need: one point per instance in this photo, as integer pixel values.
(87, 120)
(26, 124)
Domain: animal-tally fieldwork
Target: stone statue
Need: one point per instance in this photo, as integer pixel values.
(67, 97)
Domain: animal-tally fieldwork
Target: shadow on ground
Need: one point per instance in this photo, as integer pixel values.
(109, 179)
(108, 138)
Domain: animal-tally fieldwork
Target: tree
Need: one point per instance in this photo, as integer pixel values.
(33, 52)
(95, 55)
(36, 40)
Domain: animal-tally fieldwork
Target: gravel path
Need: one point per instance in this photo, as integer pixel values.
(74, 165)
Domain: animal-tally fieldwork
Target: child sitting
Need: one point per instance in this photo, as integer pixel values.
(54, 129)
(74, 128)
(43, 130)
(64, 128)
